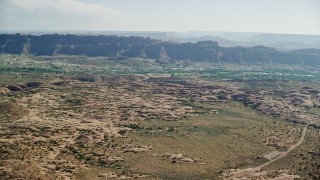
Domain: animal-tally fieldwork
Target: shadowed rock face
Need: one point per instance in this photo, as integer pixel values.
(15, 88)
(119, 46)
(33, 84)
(20, 87)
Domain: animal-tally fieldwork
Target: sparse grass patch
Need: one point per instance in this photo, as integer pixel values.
(230, 139)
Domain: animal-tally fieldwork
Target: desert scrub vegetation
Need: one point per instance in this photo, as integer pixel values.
(10, 111)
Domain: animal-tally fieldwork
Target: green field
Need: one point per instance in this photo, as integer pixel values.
(20, 68)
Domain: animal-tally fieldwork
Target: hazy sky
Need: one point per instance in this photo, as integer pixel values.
(274, 16)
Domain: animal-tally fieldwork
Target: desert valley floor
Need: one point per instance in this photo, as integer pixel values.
(137, 126)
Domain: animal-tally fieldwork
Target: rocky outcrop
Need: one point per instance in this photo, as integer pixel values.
(15, 87)
(119, 47)
(288, 105)
(19, 87)
(4, 90)
(33, 84)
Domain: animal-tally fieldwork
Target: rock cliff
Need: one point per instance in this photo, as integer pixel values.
(122, 47)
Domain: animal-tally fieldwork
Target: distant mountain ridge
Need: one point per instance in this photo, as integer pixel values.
(143, 47)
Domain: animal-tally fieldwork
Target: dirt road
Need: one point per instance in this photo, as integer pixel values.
(247, 172)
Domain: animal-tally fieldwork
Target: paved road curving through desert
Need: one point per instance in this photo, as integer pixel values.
(249, 171)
